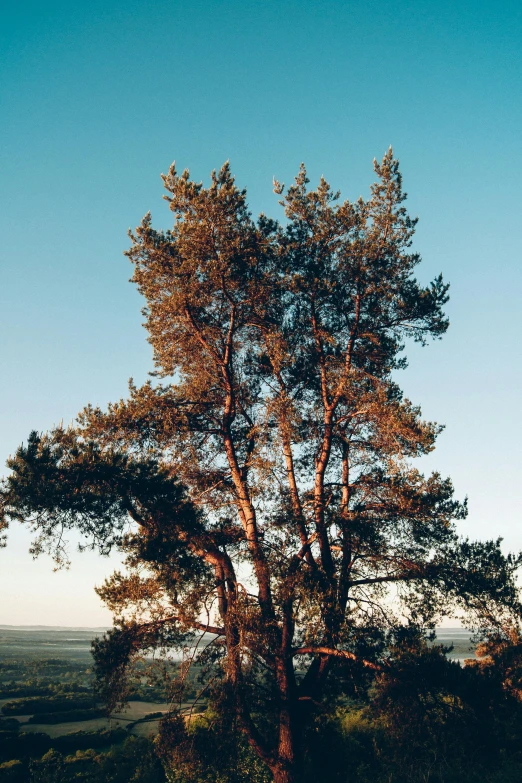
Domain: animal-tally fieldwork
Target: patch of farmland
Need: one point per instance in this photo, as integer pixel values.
(135, 711)
(21, 718)
(138, 709)
(146, 729)
(59, 729)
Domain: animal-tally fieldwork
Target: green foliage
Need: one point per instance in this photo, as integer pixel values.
(428, 718)
(28, 675)
(134, 761)
(67, 716)
(12, 771)
(9, 724)
(37, 705)
(131, 761)
(49, 769)
(32, 745)
(210, 749)
(23, 746)
(83, 740)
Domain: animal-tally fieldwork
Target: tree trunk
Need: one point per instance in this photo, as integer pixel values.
(286, 769)
(284, 775)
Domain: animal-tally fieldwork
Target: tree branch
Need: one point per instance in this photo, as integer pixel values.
(333, 653)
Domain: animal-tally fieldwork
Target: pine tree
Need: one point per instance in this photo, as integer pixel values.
(262, 485)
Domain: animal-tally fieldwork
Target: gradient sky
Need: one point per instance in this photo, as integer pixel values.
(98, 98)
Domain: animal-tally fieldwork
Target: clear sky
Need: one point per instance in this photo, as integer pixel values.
(98, 98)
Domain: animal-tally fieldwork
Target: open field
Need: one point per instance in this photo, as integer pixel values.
(59, 729)
(147, 729)
(136, 710)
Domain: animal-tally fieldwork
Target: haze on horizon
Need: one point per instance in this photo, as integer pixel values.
(98, 100)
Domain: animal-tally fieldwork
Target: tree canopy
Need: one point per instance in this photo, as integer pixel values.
(262, 484)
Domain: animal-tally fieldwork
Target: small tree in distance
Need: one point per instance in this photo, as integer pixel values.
(263, 489)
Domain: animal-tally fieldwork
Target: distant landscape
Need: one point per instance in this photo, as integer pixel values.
(41, 641)
(69, 643)
(46, 662)
(48, 706)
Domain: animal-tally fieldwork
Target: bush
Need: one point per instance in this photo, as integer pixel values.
(32, 745)
(9, 724)
(23, 746)
(50, 768)
(12, 771)
(83, 740)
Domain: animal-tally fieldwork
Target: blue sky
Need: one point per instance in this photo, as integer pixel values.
(97, 99)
